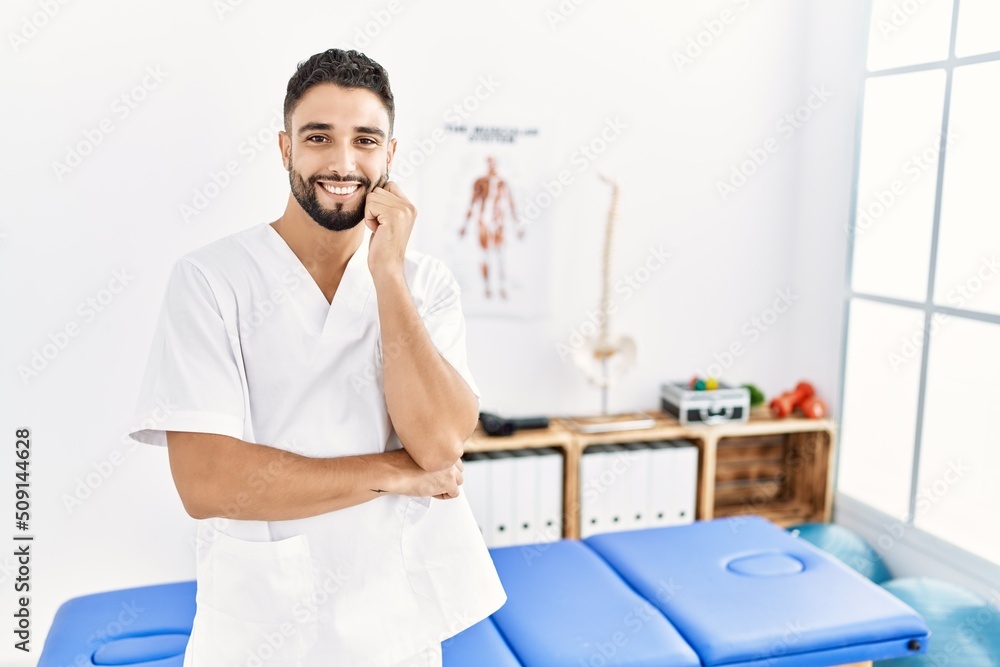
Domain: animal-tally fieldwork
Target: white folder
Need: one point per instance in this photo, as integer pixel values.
(617, 477)
(525, 496)
(501, 530)
(603, 488)
(637, 515)
(549, 521)
(476, 487)
(660, 490)
(592, 514)
(685, 486)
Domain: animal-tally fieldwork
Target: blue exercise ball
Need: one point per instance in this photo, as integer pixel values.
(965, 628)
(847, 546)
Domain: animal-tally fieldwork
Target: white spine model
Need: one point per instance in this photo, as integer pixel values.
(606, 358)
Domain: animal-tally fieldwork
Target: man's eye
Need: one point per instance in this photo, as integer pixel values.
(316, 138)
(368, 141)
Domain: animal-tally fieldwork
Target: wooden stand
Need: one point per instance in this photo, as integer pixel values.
(776, 468)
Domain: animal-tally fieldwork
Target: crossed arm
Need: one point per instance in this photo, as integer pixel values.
(431, 407)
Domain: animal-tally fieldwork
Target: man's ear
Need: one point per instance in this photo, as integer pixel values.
(391, 152)
(285, 146)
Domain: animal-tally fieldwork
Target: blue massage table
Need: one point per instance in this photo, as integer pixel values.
(739, 592)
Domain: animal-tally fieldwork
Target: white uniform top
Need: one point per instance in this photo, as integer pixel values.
(247, 345)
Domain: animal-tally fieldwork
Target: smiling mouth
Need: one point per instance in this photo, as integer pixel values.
(340, 190)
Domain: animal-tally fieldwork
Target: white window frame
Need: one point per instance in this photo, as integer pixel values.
(917, 544)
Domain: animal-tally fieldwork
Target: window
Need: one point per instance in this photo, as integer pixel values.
(920, 436)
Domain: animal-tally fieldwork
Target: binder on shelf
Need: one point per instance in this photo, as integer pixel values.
(501, 531)
(592, 518)
(685, 481)
(549, 521)
(637, 515)
(618, 473)
(525, 491)
(660, 497)
(476, 487)
(603, 488)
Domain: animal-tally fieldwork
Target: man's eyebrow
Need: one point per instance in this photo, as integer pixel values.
(362, 129)
(326, 127)
(315, 125)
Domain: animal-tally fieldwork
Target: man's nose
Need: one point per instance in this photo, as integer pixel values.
(340, 160)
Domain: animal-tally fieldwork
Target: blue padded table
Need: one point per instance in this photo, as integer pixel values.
(565, 608)
(481, 645)
(729, 592)
(146, 626)
(743, 591)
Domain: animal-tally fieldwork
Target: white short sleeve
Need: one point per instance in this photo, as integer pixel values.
(192, 381)
(445, 324)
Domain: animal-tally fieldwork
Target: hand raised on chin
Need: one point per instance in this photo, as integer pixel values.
(390, 216)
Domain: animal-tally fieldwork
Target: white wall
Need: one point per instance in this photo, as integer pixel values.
(223, 78)
(826, 154)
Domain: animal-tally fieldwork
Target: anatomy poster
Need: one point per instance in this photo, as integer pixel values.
(485, 214)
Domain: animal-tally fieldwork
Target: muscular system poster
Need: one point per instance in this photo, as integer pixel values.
(480, 212)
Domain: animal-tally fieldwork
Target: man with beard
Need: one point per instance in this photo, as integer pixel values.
(318, 397)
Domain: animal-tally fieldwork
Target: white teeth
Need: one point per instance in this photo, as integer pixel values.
(345, 190)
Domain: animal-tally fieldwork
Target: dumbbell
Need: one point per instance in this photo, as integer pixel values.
(802, 397)
(813, 407)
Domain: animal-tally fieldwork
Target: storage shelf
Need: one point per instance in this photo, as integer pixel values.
(776, 468)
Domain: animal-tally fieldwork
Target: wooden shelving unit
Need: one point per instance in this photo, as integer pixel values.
(777, 468)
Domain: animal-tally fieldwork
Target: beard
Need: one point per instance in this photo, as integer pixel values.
(336, 219)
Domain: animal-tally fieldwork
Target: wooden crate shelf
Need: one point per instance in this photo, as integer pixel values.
(777, 468)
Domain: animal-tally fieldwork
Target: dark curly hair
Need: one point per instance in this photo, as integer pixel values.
(349, 69)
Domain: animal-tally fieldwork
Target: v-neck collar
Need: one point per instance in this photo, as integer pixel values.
(343, 313)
